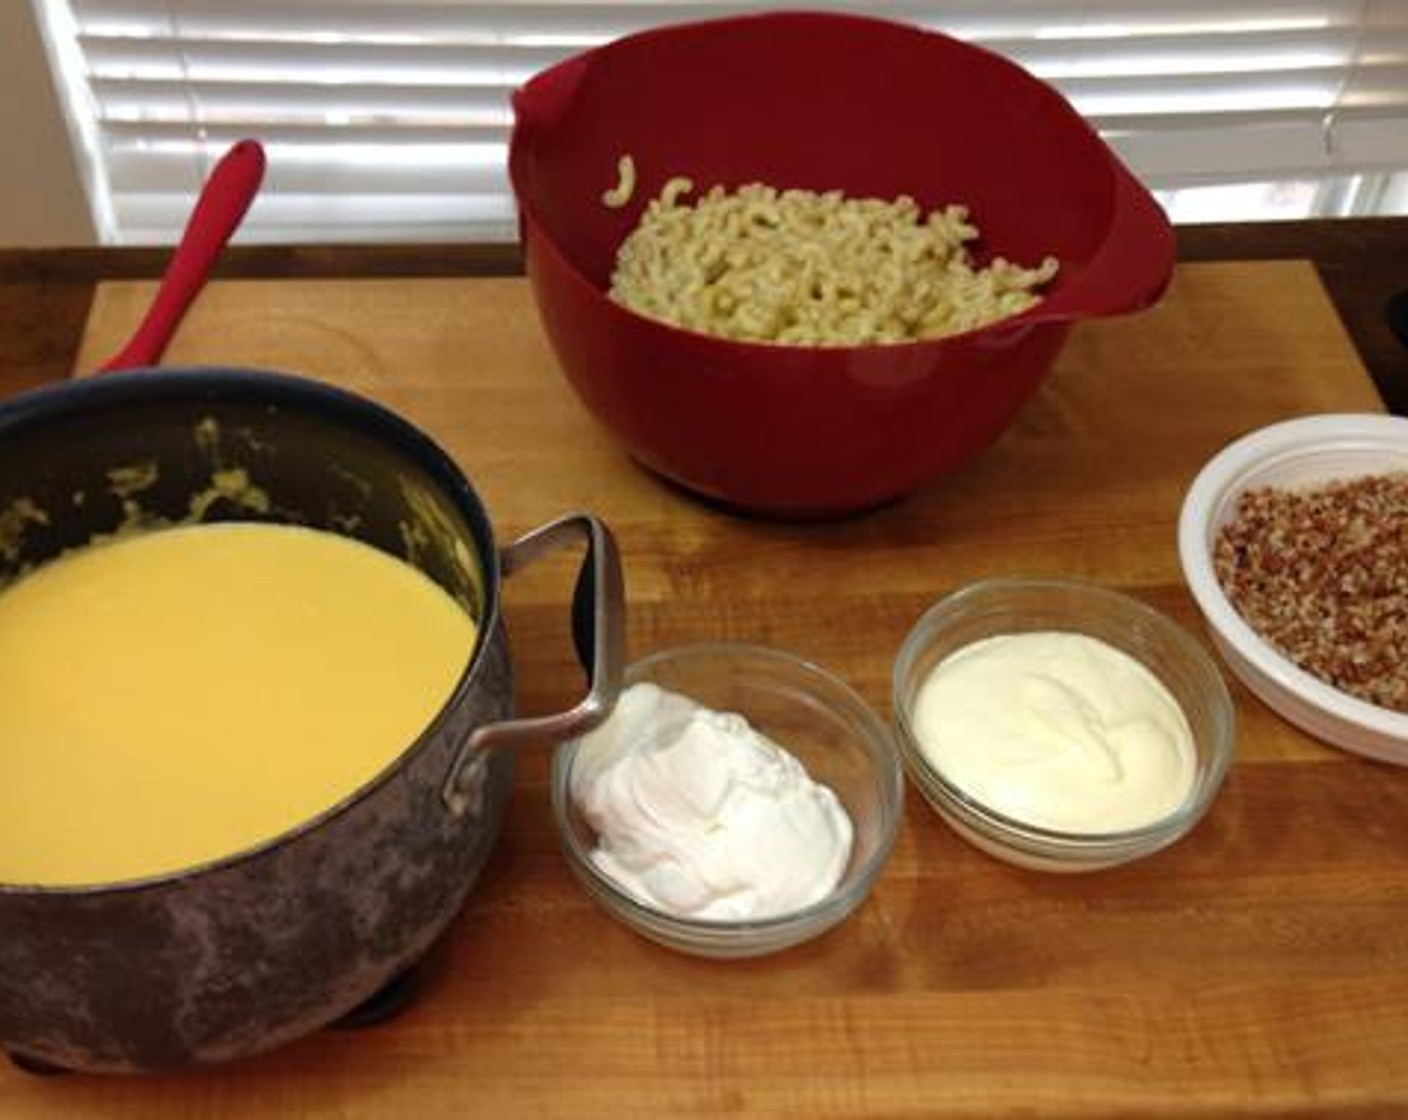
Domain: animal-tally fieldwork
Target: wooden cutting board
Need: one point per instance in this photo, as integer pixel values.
(1259, 966)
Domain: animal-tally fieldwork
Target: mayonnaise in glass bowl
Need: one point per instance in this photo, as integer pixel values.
(843, 746)
(1005, 607)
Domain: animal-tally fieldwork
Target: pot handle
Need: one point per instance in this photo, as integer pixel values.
(598, 628)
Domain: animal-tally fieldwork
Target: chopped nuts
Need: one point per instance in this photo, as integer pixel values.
(1322, 574)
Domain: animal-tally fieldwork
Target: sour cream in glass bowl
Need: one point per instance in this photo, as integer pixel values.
(739, 801)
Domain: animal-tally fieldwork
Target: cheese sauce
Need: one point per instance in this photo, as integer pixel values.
(175, 697)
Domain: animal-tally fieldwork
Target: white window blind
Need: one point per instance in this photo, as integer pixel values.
(389, 119)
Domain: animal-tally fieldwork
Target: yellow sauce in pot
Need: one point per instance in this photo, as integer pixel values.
(176, 697)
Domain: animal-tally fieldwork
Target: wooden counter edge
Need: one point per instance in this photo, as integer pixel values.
(45, 294)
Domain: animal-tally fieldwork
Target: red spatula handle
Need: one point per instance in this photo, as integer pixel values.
(221, 207)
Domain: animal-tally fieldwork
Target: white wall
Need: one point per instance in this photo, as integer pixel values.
(42, 201)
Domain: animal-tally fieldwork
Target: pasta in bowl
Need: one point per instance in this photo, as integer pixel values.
(796, 411)
(814, 268)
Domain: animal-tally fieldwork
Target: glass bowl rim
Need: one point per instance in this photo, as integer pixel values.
(1037, 838)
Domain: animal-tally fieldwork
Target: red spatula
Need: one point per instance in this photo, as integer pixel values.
(221, 207)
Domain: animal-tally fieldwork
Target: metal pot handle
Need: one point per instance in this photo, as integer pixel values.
(598, 627)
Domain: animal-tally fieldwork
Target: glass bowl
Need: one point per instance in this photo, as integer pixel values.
(986, 609)
(840, 741)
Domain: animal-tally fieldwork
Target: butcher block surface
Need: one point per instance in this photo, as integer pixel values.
(1260, 966)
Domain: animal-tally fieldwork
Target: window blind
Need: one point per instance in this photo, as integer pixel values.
(389, 119)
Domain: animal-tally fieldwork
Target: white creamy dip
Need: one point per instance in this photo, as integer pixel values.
(698, 814)
(1058, 730)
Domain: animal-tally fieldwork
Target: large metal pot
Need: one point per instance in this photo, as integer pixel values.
(226, 959)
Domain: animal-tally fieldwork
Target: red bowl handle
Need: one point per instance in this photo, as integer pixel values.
(540, 101)
(1133, 266)
(537, 105)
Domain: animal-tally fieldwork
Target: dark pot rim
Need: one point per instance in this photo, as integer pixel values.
(339, 407)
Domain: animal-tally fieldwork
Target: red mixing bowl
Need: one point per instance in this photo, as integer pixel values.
(820, 102)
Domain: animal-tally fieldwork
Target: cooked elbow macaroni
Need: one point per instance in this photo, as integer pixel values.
(625, 187)
(795, 266)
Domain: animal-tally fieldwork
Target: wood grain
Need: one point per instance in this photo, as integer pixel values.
(1258, 968)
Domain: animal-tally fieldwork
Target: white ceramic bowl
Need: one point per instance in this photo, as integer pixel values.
(1296, 453)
